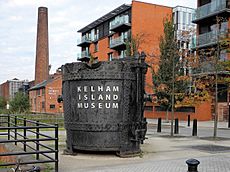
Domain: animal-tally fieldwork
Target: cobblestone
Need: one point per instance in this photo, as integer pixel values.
(161, 153)
(208, 164)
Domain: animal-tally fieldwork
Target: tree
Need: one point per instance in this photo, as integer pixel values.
(133, 44)
(20, 103)
(2, 103)
(169, 67)
(174, 85)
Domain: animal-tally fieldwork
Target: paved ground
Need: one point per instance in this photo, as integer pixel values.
(162, 153)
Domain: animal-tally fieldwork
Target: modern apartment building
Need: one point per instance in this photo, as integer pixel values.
(212, 19)
(184, 31)
(9, 88)
(106, 39)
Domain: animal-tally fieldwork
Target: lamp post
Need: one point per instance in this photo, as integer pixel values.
(173, 95)
(218, 21)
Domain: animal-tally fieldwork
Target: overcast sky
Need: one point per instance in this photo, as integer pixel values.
(18, 30)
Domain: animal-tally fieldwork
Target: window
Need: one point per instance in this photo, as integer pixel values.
(96, 47)
(184, 17)
(110, 56)
(52, 106)
(43, 91)
(38, 92)
(43, 105)
(189, 18)
(148, 108)
(180, 109)
(110, 40)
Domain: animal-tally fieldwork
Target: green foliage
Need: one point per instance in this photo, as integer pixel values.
(169, 59)
(20, 103)
(133, 44)
(2, 103)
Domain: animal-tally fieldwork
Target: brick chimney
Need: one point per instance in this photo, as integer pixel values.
(42, 47)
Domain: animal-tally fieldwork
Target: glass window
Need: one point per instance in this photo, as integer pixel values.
(43, 105)
(38, 92)
(52, 106)
(184, 17)
(96, 47)
(189, 18)
(110, 56)
(43, 91)
(179, 17)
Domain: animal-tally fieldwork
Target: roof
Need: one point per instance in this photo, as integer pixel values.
(39, 86)
(106, 17)
(44, 83)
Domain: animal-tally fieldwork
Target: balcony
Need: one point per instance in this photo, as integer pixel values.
(84, 56)
(211, 9)
(208, 39)
(118, 57)
(118, 43)
(96, 38)
(120, 25)
(85, 41)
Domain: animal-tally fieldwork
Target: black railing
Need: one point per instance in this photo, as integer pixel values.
(21, 131)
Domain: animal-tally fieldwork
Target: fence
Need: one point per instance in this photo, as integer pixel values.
(22, 131)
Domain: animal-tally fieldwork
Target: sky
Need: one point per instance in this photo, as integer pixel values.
(18, 29)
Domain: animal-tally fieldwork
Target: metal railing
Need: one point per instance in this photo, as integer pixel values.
(118, 41)
(21, 131)
(122, 20)
(211, 8)
(209, 38)
(85, 39)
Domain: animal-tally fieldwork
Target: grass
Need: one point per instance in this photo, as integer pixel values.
(43, 118)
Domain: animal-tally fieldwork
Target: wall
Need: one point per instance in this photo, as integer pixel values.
(147, 20)
(5, 90)
(103, 49)
(52, 91)
(49, 96)
(202, 113)
(38, 97)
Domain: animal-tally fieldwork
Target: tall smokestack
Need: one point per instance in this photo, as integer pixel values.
(42, 47)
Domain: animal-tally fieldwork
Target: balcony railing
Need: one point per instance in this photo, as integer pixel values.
(117, 42)
(118, 57)
(85, 40)
(83, 54)
(211, 8)
(208, 38)
(121, 24)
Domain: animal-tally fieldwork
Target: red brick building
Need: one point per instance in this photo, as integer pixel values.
(105, 39)
(43, 96)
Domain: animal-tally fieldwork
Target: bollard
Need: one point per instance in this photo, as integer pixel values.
(176, 128)
(229, 116)
(192, 165)
(188, 120)
(194, 129)
(159, 125)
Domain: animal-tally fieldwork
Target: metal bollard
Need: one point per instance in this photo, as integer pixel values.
(229, 116)
(192, 165)
(176, 128)
(194, 128)
(188, 120)
(159, 125)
